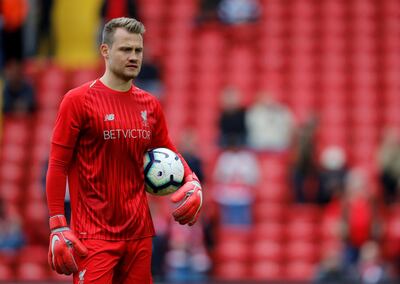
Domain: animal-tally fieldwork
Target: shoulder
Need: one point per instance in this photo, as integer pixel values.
(79, 92)
(147, 97)
(76, 97)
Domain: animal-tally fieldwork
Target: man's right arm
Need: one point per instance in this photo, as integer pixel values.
(59, 160)
(63, 242)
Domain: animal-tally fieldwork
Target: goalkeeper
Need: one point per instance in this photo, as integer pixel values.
(102, 130)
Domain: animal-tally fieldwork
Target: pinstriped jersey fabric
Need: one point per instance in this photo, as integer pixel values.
(109, 131)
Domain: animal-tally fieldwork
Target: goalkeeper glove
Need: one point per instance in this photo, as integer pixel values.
(62, 243)
(191, 195)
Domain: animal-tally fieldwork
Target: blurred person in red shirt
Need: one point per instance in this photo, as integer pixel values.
(360, 215)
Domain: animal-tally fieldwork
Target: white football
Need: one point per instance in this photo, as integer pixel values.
(163, 171)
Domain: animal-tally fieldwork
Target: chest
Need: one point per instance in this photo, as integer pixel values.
(120, 121)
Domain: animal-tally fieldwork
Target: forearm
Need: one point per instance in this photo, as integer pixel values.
(57, 172)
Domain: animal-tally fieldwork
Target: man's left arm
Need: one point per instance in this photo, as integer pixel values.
(189, 196)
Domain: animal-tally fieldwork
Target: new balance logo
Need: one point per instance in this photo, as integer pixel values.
(109, 117)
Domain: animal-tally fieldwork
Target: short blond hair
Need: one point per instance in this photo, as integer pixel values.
(129, 24)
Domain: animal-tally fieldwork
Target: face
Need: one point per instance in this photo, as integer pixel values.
(124, 58)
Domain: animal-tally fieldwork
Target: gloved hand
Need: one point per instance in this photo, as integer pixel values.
(62, 243)
(191, 197)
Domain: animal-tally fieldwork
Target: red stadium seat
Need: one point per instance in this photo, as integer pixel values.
(265, 250)
(302, 251)
(231, 251)
(30, 271)
(233, 234)
(265, 270)
(231, 270)
(52, 80)
(11, 172)
(273, 192)
(33, 254)
(10, 192)
(6, 273)
(13, 153)
(299, 271)
(302, 230)
(268, 231)
(304, 213)
(330, 229)
(268, 211)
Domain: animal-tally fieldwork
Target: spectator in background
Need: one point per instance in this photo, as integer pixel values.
(159, 211)
(359, 215)
(149, 78)
(332, 174)
(187, 260)
(207, 11)
(304, 169)
(188, 147)
(13, 14)
(11, 235)
(232, 120)
(269, 124)
(45, 32)
(19, 97)
(236, 173)
(389, 165)
(332, 269)
(371, 267)
(235, 12)
(119, 8)
(189, 150)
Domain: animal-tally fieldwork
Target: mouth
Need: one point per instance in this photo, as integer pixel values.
(132, 66)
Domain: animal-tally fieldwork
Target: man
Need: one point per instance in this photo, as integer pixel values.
(102, 131)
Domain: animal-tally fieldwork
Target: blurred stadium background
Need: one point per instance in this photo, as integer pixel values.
(319, 202)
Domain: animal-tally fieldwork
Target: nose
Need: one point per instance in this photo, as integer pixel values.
(133, 57)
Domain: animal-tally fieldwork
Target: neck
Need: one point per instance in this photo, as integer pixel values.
(115, 83)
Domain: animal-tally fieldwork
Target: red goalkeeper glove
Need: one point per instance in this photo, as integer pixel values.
(191, 196)
(62, 243)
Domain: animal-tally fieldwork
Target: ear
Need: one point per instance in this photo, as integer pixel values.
(104, 50)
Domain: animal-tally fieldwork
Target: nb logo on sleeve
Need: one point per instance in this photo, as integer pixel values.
(109, 117)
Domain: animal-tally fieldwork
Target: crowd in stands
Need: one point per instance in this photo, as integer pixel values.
(247, 130)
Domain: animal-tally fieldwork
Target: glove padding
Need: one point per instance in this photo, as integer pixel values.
(62, 243)
(191, 196)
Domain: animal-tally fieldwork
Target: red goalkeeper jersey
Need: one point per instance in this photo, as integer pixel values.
(107, 132)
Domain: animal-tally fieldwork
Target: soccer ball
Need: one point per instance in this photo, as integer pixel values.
(163, 171)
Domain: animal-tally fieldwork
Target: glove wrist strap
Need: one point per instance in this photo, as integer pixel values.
(57, 221)
(192, 177)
